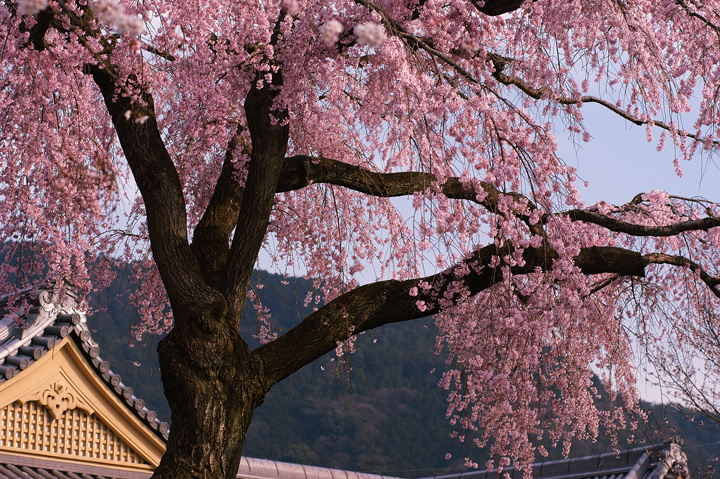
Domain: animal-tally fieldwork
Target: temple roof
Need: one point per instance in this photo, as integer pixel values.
(29, 333)
(12, 467)
(35, 325)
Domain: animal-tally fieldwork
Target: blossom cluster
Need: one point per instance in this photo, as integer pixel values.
(370, 33)
(31, 7)
(330, 32)
(112, 13)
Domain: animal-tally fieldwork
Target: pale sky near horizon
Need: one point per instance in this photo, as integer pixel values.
(620, 163)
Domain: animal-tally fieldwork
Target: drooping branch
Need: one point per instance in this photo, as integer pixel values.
(677, 260)
(696, 14)
(545, 92)
(386, 302)
(415, 42)
(499, 7)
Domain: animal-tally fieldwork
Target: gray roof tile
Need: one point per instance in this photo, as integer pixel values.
(24, 467)
(251, 468)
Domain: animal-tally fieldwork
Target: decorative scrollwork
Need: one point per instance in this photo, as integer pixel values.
(57, 399)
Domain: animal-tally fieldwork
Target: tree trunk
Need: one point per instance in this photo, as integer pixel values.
(213, 383)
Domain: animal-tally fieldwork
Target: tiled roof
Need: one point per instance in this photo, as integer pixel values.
(18, 467)
(28, 334)
(27, 467)
(657, 461)
(251, 468)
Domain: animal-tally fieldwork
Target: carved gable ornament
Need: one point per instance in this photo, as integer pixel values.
(58, 398)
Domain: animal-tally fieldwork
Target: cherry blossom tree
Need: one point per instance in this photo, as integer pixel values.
(285, 128)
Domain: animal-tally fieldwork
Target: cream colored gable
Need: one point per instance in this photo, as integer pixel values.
(60, 408)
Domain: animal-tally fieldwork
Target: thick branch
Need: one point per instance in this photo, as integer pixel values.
(620, 226)
(493, 8)
(385, 302)
(160, 186)
(149, 161)
(269, 138)
(38, 31)
(210, 239)
(301, 171)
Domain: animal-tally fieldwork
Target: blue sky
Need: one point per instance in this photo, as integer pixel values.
(619, 163)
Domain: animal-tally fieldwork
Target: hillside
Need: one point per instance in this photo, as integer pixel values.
(381, 412)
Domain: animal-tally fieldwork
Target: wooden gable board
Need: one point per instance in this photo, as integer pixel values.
(77, 416)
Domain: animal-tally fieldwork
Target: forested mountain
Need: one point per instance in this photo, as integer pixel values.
(381, 411)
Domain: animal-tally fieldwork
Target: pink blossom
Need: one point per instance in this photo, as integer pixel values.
(292, 7)
(114, 14)
(31, 7)
(370, 33)
(330, 32)
(463, 107)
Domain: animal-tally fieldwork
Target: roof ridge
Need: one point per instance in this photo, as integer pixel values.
(612, 464)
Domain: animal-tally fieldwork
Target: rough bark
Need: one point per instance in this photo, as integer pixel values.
(211, 379)
(213, 383)
(160, 187)
(210, 240)
(269, 137)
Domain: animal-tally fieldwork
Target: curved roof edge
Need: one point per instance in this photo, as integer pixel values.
(655, 461)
